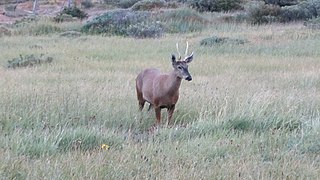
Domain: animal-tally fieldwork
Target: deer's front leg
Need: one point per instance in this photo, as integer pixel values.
(170, 110)
(158, 114)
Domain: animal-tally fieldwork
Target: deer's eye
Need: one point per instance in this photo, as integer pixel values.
(179, 67)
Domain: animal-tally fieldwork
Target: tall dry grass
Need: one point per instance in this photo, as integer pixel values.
(251, 111)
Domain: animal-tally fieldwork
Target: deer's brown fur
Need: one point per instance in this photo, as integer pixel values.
(161, 90)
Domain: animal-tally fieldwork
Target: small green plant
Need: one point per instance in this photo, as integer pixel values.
(28, 61)
(83, 140)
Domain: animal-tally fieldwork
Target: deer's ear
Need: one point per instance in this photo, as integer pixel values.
(173, 58)
(189, 58)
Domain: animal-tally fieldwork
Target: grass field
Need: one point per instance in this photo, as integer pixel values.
(252, 111)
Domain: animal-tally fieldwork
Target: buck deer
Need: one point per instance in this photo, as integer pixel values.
(162, 90)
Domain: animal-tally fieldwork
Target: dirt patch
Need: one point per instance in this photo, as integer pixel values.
(42, 10)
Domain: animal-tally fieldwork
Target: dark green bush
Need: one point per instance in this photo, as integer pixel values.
(215, 5)
(147, 5)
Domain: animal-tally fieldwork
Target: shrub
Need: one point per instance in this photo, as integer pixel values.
(28, 60)
(124, 23)
(70, 34)
(215, 5)
(74, 12)
(35, 26)
(259, 13)
(215, 40)
(69, 13)
(126, 3)
(147, 5)
(182, 20)
(313, 23)
(11, 1)
(111, 2)
(146, 30)
(282, 2)
(87, 4)
(63, 18)
(302, 11)
(4, 31)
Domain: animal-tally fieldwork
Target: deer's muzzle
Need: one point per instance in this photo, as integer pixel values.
(189, 78)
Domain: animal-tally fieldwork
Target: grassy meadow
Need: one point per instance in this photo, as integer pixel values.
(252, 111)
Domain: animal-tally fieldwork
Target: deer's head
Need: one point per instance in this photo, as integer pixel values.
(181, 67)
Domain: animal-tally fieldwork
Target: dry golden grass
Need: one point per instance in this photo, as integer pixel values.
(251, 111)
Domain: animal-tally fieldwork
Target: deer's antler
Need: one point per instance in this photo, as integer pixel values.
(186, 53)
(179, 55)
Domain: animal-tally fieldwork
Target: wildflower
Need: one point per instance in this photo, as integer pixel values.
(105, 146)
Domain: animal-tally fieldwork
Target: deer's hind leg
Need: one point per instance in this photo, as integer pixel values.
(141, 103)
(141, 100)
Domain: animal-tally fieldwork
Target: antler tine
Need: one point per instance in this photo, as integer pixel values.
(186, 53)
(179, 55)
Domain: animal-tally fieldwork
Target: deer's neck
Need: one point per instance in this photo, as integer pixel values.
(173, 83)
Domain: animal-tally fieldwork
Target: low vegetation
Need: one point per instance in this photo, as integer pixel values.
(216, 5)
(251, 110)
(28, 61)
(214, 40)
(124, 23)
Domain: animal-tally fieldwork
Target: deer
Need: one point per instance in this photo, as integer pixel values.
(161, 90)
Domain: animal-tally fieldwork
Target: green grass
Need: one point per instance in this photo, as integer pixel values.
(251, 111)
